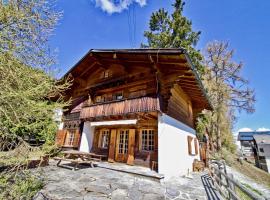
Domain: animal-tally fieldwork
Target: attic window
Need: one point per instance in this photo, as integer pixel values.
(107, 74)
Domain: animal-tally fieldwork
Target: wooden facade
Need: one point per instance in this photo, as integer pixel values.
(139, 84)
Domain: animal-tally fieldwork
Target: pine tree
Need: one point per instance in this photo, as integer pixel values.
(173, 31)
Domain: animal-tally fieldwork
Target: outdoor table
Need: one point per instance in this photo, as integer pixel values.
(78, 157)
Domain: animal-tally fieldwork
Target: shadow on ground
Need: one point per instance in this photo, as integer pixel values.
(211, 192)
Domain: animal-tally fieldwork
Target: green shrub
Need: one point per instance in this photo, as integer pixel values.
(22, 185)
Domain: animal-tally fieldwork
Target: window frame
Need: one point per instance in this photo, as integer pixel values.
(101, 140)
(71, 137)
(148, 139)
(116, 94)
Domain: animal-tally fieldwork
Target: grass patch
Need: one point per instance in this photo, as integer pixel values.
(21, 184)
(252, 189)
(241, 194)
(246, 168)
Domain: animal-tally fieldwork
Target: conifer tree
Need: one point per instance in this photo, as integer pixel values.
(26, 73)
(173, 31)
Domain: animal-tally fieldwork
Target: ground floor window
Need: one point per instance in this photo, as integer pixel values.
(70, 137)
(104, 139)
(123, 142)
(148, 139)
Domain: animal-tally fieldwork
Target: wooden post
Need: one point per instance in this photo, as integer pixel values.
(111, 155)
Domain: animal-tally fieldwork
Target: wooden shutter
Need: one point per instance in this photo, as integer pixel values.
(112, 146)
(96, 140)
(140, 140)
(77, 138)
(156, 140)
(189, 138)
(196, 146)
(60, 137)
(131, 146)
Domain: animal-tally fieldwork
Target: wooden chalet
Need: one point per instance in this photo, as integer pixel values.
(136, 106)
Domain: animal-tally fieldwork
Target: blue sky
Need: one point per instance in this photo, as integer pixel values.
(243, 23)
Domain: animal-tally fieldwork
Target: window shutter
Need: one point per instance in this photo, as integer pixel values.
(60, 137)
(196, 146)
(112, 145)
(77, 137)
(189, 138)
(131, 146)
(140, 140)
(96, 139)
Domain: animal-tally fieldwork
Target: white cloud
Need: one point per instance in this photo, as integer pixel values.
(244, 130)
(113, 6)
(263, 129)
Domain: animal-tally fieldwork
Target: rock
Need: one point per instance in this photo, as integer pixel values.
(153, 196)
(120, 194)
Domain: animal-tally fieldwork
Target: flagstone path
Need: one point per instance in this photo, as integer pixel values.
(100, 183)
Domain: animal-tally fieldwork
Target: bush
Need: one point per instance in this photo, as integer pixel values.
(22, 185)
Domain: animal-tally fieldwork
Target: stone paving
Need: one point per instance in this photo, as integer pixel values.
(100, 183)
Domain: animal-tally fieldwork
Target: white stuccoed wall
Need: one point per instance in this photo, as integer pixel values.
(87, 137)
(173, 157)
(58, 113)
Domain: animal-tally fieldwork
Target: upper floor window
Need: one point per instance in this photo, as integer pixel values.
(106, 74)
(261, 150)
(148, 140)
(118, 95)
(100, 99)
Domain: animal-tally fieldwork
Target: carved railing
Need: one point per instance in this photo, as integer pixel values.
(144, 104)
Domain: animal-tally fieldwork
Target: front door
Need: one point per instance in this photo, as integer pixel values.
(121, 153)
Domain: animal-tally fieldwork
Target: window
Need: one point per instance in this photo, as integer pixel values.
(106, 74)
(192, 146)
(118, 95)
(148, 139)
(123, 142)
(71, 137)
(100, 99)
(261, 150)
(104, 139)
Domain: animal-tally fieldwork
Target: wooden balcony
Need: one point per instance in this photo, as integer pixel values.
(143, 104)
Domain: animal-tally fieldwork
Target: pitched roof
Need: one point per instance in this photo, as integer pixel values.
(190, 81)
(262, 138)
(249, 135)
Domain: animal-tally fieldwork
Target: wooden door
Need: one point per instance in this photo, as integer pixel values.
(121, 153)
(112, 146)
(131, 147)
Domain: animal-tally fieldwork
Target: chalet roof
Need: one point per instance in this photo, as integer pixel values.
(250, 135)
(164, 58)
(262, 138)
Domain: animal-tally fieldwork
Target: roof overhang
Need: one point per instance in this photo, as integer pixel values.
(163, 58)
